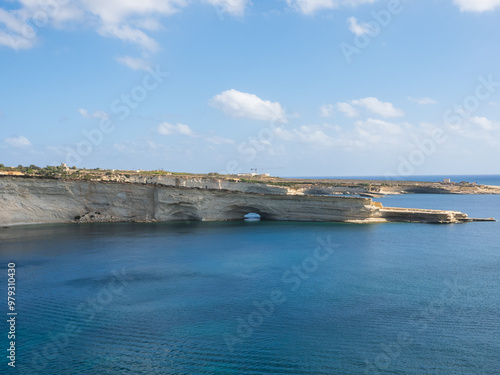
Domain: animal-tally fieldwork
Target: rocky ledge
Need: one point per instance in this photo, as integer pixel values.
(28, 201)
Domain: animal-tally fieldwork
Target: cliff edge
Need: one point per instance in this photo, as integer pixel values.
(29, 201)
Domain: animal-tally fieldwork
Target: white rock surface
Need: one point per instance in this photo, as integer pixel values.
(29, 200)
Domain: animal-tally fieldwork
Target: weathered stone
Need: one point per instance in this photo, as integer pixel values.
(24, 201)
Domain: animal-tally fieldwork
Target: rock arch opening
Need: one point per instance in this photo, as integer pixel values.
(252, 216)
(244, 212)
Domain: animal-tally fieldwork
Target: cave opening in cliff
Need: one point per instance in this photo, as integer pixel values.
(252, 216)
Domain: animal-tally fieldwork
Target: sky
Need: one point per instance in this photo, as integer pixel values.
(289, 87)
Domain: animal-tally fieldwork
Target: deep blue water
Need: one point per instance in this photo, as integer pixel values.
(258, 297)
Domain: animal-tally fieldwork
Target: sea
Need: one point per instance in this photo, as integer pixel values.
(257, 297)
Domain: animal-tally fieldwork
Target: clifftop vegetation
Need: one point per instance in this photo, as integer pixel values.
(64, 172)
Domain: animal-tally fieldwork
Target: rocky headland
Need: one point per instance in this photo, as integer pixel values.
(29, 200)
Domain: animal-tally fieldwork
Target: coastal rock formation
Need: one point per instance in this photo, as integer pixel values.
(292, 186)
(29, 200)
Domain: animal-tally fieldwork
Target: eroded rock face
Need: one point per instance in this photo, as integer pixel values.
(25, 200)
(206, 183)
(293, 186)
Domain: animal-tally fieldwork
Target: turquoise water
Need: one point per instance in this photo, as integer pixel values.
(258, 297)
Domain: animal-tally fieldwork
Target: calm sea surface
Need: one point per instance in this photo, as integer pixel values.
(258, 297)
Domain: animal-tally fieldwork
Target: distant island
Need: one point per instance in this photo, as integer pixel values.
(60, 194)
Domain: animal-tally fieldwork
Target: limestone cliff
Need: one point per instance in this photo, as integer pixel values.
(29, 200)
(293, 186)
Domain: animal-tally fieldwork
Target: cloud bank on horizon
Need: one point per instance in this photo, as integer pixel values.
(266, 85)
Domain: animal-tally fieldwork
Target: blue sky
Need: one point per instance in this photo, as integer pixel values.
(309, 87)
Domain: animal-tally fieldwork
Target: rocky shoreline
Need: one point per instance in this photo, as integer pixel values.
(38, 200)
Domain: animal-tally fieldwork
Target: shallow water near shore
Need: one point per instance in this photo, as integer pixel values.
(259, 297)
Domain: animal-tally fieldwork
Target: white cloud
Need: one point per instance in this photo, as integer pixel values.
(97, 114)
(16, 30)
(312, 6)
(378, 107)
(124, 19)
(118, 11)
(240, 104)
(347, 109)
(380, 126)
(56, 13)
(16, 42)
(314, 135)
(166, 128)
(477, 5)
(369, 134)
(216, 140)
(327, 110)
(129, 34)
(127, 20)
(379, 137)
(134, 63)
(233, 7)
(377, 134)
(478, 129)
(373, 105)
(283, 134)
(309, 134)
(422, 101)
(148, 23)
(14, 22)
(18, 141)
(484, 123)
(17, 34)
(358, 28)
